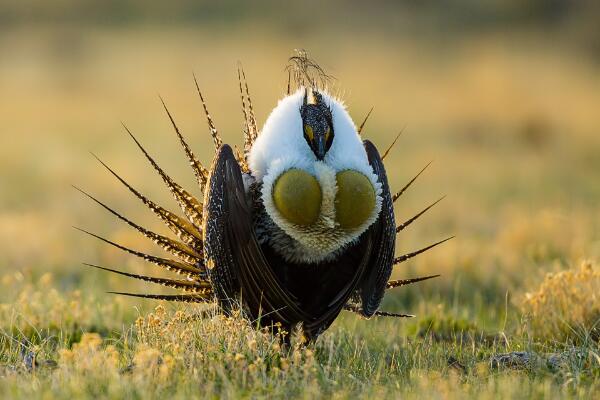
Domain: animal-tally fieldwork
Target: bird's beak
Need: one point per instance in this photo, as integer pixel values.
(319, 146)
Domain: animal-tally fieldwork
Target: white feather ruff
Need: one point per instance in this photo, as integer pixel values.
(281, 146)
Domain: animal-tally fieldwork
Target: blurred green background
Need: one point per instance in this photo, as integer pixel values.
(504, 96)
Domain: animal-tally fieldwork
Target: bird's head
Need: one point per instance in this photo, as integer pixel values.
(317, 123)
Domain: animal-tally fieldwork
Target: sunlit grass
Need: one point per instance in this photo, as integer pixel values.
(192, 351)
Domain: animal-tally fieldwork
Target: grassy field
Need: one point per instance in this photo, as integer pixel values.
(509, 117)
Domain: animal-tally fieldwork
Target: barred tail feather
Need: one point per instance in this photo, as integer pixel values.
(247, 125)
(211, 125)
(184, 230)
(180, 250)
(202, 287)
(358, 310)
(190, 206)
(391, 314)
(252, 118)
(241, 160)
(185, 298)
(200, 171)
(179, 267)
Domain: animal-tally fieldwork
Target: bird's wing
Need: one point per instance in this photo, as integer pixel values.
(383, 236)
(237, 265)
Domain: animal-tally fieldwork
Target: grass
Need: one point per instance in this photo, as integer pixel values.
(510, 119)
(59, 345)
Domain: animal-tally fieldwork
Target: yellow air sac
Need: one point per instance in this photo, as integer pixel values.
(297, 196)
(355, 199)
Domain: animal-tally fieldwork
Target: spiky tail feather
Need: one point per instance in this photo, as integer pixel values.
(178, 249)
(197, 287)
(413, 219)
(399, 193)
(354, 308)
(190, 206)
(408, 256)
(362, 125)
(404, 282)
(200, 171)
(387, 151)
(170, 265)
(211, 125)
(180, 227)
(186, 298)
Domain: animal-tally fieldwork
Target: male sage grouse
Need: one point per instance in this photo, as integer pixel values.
(295, 229)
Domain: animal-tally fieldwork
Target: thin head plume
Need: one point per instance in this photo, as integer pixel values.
(404, 282)
(306, 72)
(179, 250)
(190, 206)
(179, 267)
(289, 88)
(200, 171)
(184, 230)
(211, 125)
(185, 285)
(362, 125)
(398, 194)
(407, 256)
(185, 298)
(392, 145)
(414, 218)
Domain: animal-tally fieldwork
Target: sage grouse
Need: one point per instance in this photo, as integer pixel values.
(296, 228)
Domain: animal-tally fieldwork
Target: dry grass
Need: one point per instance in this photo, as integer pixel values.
(566, 306)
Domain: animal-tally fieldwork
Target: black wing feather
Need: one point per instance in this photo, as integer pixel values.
(236, 263)
(383, 234)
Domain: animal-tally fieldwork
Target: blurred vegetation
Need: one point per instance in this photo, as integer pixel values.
(502, 95)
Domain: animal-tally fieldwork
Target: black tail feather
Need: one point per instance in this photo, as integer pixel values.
(404, 282)
(387, 151)
(413, 219)
(405, 257)
(398, 194)
(362, 125)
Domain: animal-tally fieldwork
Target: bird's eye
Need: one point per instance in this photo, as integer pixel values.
(309, 132)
